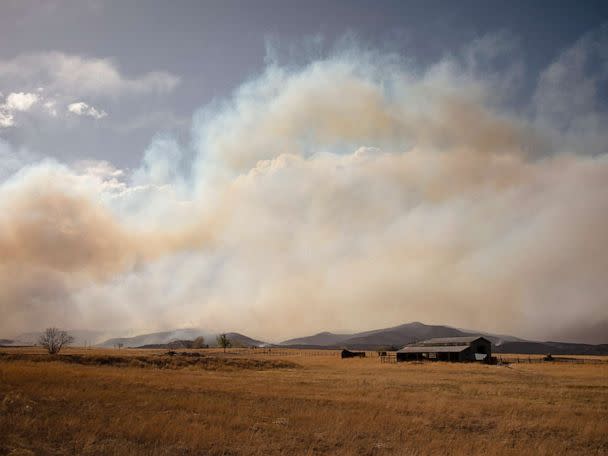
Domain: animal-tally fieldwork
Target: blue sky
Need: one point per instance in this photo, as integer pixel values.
(212, 47)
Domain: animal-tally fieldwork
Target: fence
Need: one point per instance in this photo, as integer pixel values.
(282, 352)
(389, 357)
(554, 359)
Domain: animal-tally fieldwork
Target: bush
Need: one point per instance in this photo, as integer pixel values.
(54, 340)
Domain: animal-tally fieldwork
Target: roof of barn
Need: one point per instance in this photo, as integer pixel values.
(441, 344)
(433, 349)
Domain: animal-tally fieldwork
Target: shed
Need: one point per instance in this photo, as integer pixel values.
(470, 348)
(350, 354)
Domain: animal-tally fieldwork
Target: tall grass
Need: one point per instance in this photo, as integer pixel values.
(326, 406)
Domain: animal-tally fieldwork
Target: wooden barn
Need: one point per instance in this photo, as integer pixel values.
(472, 348)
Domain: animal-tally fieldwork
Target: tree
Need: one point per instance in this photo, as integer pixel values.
(223, 341)
(54, 340)
(199, 342)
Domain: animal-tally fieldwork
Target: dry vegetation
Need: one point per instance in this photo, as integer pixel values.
(294, 404)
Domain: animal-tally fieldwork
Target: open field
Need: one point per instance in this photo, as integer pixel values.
(289, 403)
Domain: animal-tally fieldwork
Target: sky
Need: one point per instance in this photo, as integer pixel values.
(284, 168)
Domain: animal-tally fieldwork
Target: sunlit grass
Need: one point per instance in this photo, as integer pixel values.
(324, 406)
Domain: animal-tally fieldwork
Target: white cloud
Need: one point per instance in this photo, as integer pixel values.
(6, 119)
(77, 76)
(82, 109)
(20, 101)
(54, 80)
(50, 107)
(16, 102)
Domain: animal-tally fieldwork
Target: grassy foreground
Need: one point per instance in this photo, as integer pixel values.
(244, 404)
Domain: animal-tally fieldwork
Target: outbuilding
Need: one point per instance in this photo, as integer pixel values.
(470, 348)
(351, 354)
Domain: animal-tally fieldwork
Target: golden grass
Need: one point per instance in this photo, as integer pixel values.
(325, 406)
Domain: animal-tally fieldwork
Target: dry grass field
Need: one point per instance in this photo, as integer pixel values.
(244, 404)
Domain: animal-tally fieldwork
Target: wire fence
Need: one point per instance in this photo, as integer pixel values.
(545, 360)
(384, 356)
(293, 352)
(390, 357)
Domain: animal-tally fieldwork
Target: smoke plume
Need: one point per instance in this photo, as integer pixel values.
(350, 192)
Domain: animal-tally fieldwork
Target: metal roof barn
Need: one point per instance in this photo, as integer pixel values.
(470, 348)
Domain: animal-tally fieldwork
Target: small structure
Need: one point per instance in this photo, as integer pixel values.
(351, 354)
(472, 348)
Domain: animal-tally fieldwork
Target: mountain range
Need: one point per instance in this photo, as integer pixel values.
(397, 336)
(161, 339)
(81, 338)
(385, 338)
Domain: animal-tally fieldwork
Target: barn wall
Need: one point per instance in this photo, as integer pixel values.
(478, 346)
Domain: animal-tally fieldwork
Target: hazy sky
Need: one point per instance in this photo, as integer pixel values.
(210, 48)
(280, 168)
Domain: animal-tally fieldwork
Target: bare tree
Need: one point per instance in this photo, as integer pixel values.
(199, 342)
(223, 341)
(54, 340)
(120, 345)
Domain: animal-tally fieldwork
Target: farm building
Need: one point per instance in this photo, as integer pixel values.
(472, 348)
(351, 354)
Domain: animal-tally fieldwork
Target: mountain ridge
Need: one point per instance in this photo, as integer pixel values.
(399, 335)
(383, 338)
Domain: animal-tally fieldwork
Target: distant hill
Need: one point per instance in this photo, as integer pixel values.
(401, 335)
(497, 339)
(163, 338)
(321, 339)
(397, 336)
(554, 348)
(240, 340)
(173, 345)
(81, 337)
(157, 338)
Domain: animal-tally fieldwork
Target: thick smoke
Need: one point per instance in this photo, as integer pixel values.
(349, 193)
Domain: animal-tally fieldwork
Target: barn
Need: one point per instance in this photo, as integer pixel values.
(471, 348)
